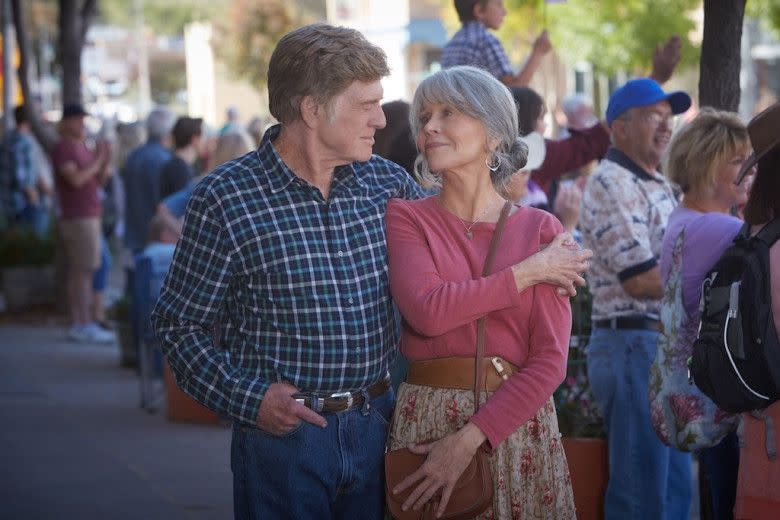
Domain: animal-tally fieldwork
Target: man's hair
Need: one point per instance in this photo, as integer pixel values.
(465, 9)
(321, 61)
(702, 147)
(530, 106)
(159, 123)
(572, 102)
(20, 115)
(185, 129)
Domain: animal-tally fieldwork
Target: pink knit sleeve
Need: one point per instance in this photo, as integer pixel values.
(431, 305)
(523, 394)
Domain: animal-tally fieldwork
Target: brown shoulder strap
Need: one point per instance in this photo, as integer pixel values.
(478, 373)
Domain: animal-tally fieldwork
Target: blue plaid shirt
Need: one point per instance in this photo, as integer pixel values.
(474, 45)
(300, 283)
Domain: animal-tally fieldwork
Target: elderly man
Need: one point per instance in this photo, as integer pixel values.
(625, 208)
(289, 240)
(141, 177)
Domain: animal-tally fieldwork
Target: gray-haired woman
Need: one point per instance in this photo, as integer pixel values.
(465, 122)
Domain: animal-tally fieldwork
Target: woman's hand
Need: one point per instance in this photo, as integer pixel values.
(561, 263)
(446, 461)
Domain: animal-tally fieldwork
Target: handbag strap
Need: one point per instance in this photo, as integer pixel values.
(479, 374)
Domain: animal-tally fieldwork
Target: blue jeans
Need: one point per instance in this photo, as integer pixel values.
(100, 279)
(647, 479)
(312, 472)
(721, 465)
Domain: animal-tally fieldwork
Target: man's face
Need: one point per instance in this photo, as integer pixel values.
(346, 131)
(643, 133)
(491, 14)
(74, 127)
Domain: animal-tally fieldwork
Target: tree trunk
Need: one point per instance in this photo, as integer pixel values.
(720, 54)
(73, 23)
(45, 135)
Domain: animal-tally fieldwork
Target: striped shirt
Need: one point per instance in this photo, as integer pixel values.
(299, 282)
(474, 45)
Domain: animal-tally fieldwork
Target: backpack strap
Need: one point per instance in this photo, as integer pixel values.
(770, 233)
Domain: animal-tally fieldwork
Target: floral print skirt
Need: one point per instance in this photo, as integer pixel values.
(530, 473)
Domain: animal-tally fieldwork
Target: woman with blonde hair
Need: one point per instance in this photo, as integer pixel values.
(465, 123)
(704, 160)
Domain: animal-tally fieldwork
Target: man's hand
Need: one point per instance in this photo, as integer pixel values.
(665, 59)
(542, 44)
(280, 413)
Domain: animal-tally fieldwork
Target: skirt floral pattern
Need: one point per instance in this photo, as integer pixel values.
(530, 473)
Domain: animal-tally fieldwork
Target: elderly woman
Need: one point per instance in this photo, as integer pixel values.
(704, 160)
(465, 123)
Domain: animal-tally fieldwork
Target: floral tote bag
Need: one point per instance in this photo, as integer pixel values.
(683, 417)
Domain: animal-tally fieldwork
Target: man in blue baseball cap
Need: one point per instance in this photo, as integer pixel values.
(625, 208)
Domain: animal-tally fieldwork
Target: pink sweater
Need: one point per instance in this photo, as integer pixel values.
(435, 279)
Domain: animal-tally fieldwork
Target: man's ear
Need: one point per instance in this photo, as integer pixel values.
(310, 111)
(478, 11)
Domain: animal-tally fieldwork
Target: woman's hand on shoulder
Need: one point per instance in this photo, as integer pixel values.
(562, 263)
(446, 461)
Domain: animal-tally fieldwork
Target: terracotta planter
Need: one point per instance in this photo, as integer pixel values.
(25, 286)
(183, 408)
(589, 468)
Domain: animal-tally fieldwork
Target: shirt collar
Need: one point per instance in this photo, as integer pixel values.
(280, 175)
(620, 158)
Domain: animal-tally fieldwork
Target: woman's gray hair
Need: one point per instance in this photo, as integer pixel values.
(479, 95)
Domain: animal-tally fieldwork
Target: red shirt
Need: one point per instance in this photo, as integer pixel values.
(435, 279)
(75, 202)
(570, 153)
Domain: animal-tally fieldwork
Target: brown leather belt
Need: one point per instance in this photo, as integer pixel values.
(341, 401)
(458, 372)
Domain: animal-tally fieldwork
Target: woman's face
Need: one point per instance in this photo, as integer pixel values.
(726, 193)
(451, 140)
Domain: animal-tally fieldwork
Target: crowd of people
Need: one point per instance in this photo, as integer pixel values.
(288, 269)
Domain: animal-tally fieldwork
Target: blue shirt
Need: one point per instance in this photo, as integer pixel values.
(141, 179)
(176, 202)
(17, 169)
(474, 45)
(303, 282)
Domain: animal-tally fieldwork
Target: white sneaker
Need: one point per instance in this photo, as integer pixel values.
(93, 333)
(77, 333)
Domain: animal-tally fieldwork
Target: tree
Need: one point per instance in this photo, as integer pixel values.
(168, 17)
(720, 54)
(250, 34)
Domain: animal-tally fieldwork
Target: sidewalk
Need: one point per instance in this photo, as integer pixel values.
(74, 442)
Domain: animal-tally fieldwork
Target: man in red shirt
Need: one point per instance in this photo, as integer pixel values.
(79, 170)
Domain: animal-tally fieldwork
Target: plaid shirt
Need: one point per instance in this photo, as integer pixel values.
(474, 45)
(300, 283)
(16, 166)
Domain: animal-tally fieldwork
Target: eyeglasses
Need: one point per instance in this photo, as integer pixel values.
(654, 119)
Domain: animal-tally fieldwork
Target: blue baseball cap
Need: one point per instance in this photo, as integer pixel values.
(642, 92)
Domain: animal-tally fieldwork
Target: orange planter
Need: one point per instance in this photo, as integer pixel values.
(589, 468)
(183, 408)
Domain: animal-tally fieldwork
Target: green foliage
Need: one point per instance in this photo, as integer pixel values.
(163, 16)
(21, 247)
(768, 11)
(250, 31)
(613, 35)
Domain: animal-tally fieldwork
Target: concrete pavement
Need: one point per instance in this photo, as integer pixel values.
(74, 443)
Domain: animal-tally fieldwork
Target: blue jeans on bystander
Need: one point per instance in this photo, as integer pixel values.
(312, 472)
(647, 479)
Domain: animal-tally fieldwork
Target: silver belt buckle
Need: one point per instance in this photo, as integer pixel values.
(344, 395)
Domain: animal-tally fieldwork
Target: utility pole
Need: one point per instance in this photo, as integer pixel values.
(8, 69)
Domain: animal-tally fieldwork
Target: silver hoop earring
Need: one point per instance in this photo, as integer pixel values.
(495, 164)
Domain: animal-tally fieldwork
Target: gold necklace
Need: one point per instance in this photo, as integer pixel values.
(468, 228)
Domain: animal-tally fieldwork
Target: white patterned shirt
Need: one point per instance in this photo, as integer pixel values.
(623, 218)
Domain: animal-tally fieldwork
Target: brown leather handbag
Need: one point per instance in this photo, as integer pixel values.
(473, 493)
